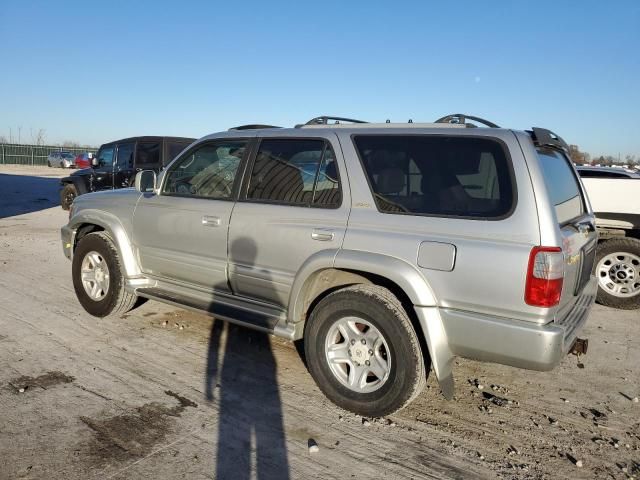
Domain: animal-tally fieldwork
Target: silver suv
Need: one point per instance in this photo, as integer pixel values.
(388, 248)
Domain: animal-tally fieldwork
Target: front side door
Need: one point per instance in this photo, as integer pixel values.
(181, 233)
(291, 208)
(123, 166)
(103, 173)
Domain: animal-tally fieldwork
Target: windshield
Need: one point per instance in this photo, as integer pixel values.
(67, 155)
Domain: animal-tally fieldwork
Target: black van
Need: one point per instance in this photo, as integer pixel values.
(116, 164)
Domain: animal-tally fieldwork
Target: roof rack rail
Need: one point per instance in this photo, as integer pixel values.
(253, 126)
(325, 119)
(461, 119)
(546, 138)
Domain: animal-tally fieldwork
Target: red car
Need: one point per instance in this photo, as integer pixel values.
(83, 160)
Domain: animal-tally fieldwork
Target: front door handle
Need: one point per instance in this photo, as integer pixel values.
(208, 221)
(322, 235)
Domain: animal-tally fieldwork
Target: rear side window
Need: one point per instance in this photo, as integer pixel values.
(148, 154)
(125, 155)
(562, 184)
(295, 172)
(437, 175)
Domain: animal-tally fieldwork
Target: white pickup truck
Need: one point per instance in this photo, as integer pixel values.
(615, 197)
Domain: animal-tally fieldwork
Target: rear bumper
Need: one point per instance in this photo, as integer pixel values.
(513, 342)
(67, 235)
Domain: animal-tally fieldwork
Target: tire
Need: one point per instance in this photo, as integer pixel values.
(115, 300)
(376, 306)
(49, 163)
(617, 268)
(67, 195)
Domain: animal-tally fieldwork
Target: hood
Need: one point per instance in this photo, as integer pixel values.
(82, 172)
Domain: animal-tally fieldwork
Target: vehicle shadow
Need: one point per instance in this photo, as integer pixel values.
(242, 376)
(20, 194)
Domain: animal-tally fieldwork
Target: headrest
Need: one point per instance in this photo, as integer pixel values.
(390, 180)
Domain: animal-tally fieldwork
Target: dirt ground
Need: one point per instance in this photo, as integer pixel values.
(162, 393)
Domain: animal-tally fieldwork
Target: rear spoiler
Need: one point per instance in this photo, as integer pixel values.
(546, 138)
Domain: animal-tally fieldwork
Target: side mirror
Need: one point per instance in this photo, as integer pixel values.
(145, 181)
(94, 162)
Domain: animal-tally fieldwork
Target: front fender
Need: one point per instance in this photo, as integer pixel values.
(112, 225)
(79, 182)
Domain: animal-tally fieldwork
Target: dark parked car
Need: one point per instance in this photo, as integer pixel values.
(116, 163)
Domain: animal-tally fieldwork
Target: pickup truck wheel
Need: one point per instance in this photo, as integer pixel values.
(617, 268)
(97, 277)
(363, 352)
(67, 195)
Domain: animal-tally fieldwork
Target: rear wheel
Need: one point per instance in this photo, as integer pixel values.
(67, 195)
(363, 352)
(617, 269)
(97, 277)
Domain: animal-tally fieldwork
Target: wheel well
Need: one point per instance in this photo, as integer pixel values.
(330, 280)
(86, 229)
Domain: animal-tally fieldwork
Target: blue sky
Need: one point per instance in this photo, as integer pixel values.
(97, 71)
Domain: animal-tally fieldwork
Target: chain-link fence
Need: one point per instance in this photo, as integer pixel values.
(34, 154)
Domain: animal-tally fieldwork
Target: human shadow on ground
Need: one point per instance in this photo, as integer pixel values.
(20, 194)
(242, 376)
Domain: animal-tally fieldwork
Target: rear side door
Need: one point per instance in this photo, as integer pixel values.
(293, 206)
(123, 167)
(579, 237)
(181, 233)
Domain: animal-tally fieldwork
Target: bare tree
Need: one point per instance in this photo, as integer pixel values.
(630, 160)
(37, 137)
(3, 139)
(578, 157)
(70, 144)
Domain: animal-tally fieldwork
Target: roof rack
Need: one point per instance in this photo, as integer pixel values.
(546, 138)
(253, 126)
(461, 119)
(325, 119)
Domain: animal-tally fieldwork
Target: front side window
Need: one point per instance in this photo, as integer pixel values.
(437, 175)
(105, 157)
(295, 172)
(209, 171)
(148, 154)
(562, 184)
(125, 156)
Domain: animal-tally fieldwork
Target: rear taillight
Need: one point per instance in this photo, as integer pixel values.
(544, 277)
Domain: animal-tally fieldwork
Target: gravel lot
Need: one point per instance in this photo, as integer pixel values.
(163, 393)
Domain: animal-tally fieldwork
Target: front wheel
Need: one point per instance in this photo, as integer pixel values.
(617, 268)
(363, 351)
(67, 195)
(97, 277)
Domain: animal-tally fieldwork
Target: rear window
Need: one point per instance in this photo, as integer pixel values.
(437, 175)
(562, 184)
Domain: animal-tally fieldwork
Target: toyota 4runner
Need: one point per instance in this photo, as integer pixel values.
(389, 249)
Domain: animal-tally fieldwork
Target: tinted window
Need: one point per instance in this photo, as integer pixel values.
(125, 156)
(209, 171)
(288, 171)
(174, 149)
(148, 154)
(601, 174)
(68, 155)
(437, 175)
(105, 156)
(562, 184)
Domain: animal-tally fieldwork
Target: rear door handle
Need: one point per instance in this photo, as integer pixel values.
(208, 221)
(322, 235)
